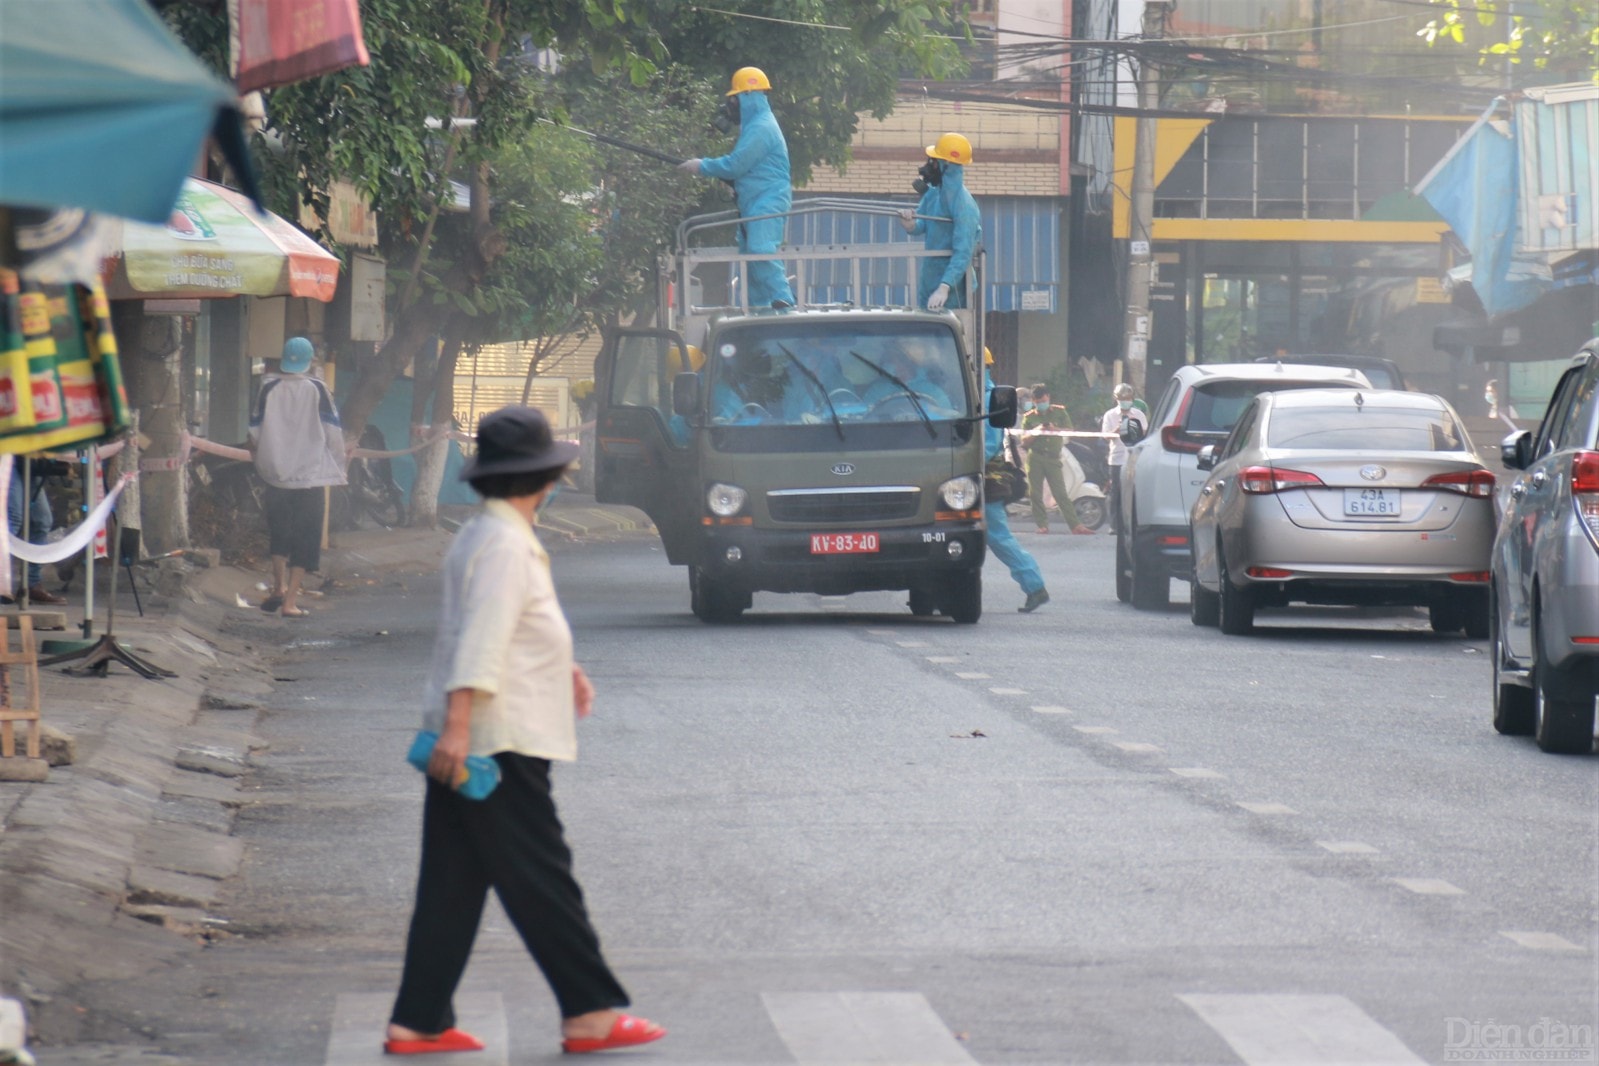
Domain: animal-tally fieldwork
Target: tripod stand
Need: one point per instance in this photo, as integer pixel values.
(98, 657)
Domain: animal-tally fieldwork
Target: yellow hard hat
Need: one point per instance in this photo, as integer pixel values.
(988, 356)
(952, 148)
(748, 79)
(674, 359)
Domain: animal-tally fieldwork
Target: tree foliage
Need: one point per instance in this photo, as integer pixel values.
(1548, 40)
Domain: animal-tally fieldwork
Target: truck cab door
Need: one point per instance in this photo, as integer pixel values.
(643, 452)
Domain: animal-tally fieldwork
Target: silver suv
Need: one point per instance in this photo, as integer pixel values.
(1545, 587)
(1162, 474)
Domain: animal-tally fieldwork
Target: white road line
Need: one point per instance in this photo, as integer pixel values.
(1267, 808)
(1541, 941)
(1197, 771)
(1094, 730)
(882, 632)
(1428, 886)
(943, 658)
(1290, 1030)
(1008, 691)
(972, 676)
(911, 643)
(359, 1018)
(1135, 746)
(861, 1028)
(1050, 709)
(1347, 847)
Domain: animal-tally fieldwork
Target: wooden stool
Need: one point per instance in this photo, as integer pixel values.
(11, 711)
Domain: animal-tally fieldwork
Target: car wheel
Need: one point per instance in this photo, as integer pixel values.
(1204, 606)
(1513, 710)
(963, 597)
(714, 601)
(1236, 614)
(1562, 724)
(923, 602)
(1474, 612)
(1151, 585)
(1445, 615)
(1090, 511)
(1124, 579)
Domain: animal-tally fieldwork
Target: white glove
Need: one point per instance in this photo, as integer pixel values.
(907, 218)
(936, 301)
(690, 166)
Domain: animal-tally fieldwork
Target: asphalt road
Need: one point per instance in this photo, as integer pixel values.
(836, 833)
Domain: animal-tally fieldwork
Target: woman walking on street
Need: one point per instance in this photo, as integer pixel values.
(504, 685)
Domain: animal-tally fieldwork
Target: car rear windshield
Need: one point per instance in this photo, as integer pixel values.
(1407, 429)
(1217, 405)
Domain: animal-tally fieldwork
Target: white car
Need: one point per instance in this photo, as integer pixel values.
(1162, 476)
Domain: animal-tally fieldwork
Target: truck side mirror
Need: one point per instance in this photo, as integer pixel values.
(686, 394)
(1516, 450)
(1002, 407)
(1206, 459)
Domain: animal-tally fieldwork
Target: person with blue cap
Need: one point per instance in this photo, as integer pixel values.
(758, 168)
(941, 280)
(298, 448)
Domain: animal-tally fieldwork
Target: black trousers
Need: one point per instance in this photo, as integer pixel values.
(294, 525)
(511, 842)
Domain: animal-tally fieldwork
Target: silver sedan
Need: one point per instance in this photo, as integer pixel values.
(1344, 496)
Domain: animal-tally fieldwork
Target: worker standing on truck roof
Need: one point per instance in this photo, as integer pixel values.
(758, 168)
(941, 281)
(1001, 541)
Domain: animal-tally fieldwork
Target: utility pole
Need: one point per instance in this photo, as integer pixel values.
(1141, 256)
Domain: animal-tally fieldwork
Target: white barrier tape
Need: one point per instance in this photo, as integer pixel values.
(200, 444)
(73, 543)
(1063, 433)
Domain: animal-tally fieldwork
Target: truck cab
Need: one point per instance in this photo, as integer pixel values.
(830, 448)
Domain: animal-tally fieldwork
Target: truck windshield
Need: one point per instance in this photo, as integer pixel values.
(835, 374)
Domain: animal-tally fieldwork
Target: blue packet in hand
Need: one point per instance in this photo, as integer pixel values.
(482, 772)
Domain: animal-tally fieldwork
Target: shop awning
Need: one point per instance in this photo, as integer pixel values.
(102, 108)
(216, 243)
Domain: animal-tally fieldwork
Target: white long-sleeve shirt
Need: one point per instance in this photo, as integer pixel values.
(1112, 422)
(503, 634)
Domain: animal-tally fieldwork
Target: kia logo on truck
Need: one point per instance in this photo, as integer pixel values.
(843, 469)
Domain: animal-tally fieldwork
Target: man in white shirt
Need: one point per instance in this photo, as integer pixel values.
(298, 447)
(504, 684)
(1115, 421)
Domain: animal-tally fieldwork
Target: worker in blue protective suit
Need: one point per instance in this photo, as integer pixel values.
(941, 281)
(1001, 541)
(758, 168)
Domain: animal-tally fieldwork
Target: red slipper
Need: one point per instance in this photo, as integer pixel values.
(628, 1031)
(449, 1040)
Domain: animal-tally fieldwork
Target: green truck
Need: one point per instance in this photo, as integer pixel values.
(830, 448)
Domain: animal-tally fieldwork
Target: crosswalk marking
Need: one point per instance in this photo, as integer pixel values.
(359, 1019)
(1094, 730)
(1347, 847)
(875, 1028)
(1135, 746)
(1050, 709)
(971, 675)
(1294, 1030)
(1267, 808)
(1429, 886)
(1541, 941)
(1197, 771)
(1002, 691)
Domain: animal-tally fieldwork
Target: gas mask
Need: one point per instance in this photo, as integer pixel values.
(728, 116)
(929, 173)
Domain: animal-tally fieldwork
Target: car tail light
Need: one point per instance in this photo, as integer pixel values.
(1264, 480)
(1173, 439)
(1585, 488)
(1478, 483)
(1475, 577)
(1268, 572)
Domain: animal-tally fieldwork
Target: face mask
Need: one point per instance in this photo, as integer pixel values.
(728, 116)
(1125, 405)
(930, 173)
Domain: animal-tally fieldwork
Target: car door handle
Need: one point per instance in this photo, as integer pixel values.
(1539, 480)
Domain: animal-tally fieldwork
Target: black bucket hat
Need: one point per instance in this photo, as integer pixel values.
(517, 440)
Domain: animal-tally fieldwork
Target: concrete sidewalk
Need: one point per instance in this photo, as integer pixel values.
(115, 865)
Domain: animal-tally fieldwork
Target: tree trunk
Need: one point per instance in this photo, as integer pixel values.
(154, 381)
(431, 460)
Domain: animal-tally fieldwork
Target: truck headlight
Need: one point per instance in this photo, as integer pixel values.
(960, 493)
(725, 501)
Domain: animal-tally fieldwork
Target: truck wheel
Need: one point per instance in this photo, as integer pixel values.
(1151, 585)
(923, 602)
(712, 600)
(1090, 511)
(963, 597)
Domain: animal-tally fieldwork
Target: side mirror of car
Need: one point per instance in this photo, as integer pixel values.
(686, 394)
(1002, 407)
(1206, 459)
(1516, 450)
(1132, 431)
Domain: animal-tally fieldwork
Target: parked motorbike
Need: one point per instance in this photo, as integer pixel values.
(1088, 496)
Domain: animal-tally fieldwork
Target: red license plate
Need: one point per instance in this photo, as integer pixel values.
(843, 543)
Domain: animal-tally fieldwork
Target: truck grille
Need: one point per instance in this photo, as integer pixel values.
(813, 506)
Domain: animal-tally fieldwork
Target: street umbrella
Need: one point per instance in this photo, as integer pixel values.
(102, 108)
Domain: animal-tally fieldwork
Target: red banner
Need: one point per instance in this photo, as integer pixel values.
(276, 42)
